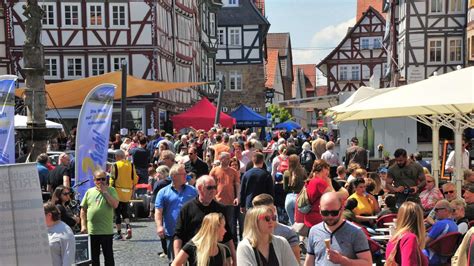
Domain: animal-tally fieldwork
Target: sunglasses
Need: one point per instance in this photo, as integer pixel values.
(101, 179)
(439, 209)
(211, 187)
(330, 213)
(448, 192)
(267, 218)
(428, 181)
(66, 193)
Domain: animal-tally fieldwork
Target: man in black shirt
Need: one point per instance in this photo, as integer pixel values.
(60, 175)
(195, 164)
(255, 182)
(140, 158)
(193, 212)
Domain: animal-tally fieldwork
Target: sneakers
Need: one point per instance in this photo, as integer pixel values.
(118, 237)
(129, 233)
(162, 255)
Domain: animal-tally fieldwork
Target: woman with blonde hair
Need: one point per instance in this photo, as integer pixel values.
(293, 182)
(204, 248)
(404, 248)
(259, 246)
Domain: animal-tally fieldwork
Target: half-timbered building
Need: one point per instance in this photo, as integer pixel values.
(359, 57)
(430, 37)
(282, 42)
(240, 62)
(4, 51)
(159, 40)
(470, 34)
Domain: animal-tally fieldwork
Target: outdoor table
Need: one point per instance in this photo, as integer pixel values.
(381, 238)
(371, 217)
(389, 223)
(385, 230)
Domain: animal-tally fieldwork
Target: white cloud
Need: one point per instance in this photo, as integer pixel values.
(322, 43)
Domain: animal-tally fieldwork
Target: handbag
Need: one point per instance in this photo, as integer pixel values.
(302, 202)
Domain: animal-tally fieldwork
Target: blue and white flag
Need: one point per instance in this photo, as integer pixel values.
(93, 132)
(7, 119)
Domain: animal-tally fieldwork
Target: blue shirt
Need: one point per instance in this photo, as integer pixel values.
(440, 228)
(171, 201)
(43, 175)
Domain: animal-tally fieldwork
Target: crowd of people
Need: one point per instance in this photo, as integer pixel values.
(224, 197)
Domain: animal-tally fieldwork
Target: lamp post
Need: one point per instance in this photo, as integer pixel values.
(220, 86)
(123, 100)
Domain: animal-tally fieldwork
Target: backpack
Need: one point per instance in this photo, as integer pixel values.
(284, 165)
(302, 202)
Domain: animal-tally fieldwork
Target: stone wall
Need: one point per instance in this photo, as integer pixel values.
(253, 88)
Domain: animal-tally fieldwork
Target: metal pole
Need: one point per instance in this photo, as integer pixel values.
(123, 101)
(219, 102)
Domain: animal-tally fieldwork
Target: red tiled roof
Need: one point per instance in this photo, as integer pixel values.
(271, 67)
(309, 71)
(363, 5)
(278, 41)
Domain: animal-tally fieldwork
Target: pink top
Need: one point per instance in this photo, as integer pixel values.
(408, 253)
(430, 197)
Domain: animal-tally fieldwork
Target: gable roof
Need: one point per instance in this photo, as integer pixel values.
(309, 72)
(362, 6)
(280, 41)
(245, 14)
(349, 33)
(271, 67)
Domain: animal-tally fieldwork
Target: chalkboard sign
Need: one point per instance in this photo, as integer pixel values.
(83, 249)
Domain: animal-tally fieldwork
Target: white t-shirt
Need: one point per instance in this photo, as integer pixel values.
(62, 244)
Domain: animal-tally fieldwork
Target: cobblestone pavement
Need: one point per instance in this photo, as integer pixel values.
(144, 246)
(142, 249)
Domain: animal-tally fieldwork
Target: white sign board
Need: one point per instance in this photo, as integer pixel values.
(24, 237)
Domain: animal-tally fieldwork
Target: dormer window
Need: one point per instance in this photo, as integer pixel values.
(229, 3)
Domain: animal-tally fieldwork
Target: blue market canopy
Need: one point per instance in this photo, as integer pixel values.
(288, 125)
(246, 117)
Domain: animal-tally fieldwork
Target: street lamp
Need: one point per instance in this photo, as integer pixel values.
(220, 85)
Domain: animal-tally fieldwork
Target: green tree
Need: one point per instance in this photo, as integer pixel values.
(279, 112)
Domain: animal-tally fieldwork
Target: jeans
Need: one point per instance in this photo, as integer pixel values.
(106, 242)
(169, 243)
(290, 204)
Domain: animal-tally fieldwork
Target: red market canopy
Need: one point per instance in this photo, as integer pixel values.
(201, 116)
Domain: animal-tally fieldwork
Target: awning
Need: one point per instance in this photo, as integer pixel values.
(20, 123)
(72, 93)
(288, 125)
(320, 102)
(246, 117)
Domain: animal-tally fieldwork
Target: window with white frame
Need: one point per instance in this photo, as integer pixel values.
(212, 24)
(221, 36)
(71, 16)
(355, 73)
(231, 3)
(51, 67)
(97, 65)
(234, 36)
(119, 15)
(435, 50)
(117, 62)
(364, 43)
(210, 63)
(235, 81)
(49, 17)
(436, 6)
(377, 43)
(74, 66)
(95, 15)
(455, 49)
(343, 75)
(455, 6)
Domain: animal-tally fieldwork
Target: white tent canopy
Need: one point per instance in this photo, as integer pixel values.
(20, 122)
(446, 99)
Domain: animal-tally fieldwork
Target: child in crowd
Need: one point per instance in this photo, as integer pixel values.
(348, 212)
(390, 206)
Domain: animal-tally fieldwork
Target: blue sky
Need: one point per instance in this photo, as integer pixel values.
(315, 26)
